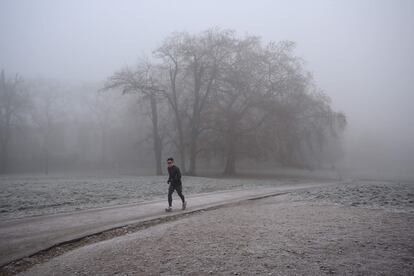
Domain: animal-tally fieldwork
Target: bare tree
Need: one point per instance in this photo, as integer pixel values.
(265, 102)
(247, 99)
(170, 68)
(47, 110)
(142, 80)
(13, 105)
(103, 109)
(195, 60)
(235, 98)
(236, 102)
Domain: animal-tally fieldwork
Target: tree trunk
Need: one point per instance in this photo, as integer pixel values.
(3, 159)
(103, 149)
(193, 151)
(194, 137)
(46, 161)
(181, 143)
(46, 142)
(156, 136)
(5, 138)
(174, 105)
(195, 122)
(230, 168)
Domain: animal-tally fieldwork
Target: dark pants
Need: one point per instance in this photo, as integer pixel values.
(179, 189)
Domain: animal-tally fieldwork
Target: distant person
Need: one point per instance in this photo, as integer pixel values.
(174, 180)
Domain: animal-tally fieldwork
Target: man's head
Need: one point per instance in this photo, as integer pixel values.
(170, 162)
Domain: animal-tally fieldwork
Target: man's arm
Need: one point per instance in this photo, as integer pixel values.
(178, 175)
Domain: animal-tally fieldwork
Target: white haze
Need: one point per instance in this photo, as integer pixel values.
(360, 52)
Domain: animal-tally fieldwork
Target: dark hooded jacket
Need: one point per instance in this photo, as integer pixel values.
(174, 175)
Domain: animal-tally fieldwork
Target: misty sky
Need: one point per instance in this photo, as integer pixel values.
(360, 52)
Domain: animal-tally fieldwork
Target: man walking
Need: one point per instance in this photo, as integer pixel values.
(174, 180)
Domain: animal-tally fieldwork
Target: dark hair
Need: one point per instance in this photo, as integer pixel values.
(170, 159)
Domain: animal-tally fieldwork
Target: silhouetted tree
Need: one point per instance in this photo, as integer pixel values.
(235, 98)
(142, 80)
(47, 109)
(103, 108)
(193, 64)
(13, 106)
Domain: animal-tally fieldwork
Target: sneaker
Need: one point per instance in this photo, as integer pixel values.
(169, 209)
(184, 205)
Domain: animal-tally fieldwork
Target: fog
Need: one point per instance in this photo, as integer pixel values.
(360, 54)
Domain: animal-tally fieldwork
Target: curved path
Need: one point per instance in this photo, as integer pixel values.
(26, 236)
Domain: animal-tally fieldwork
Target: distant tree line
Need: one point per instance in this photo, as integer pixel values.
(52, 126)
(230, 98)
(207, 98)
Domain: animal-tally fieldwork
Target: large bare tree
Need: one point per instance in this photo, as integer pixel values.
(193, 64)
(142, 80)
(235, 98)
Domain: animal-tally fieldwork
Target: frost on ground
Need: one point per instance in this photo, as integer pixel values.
(396, 197)
(272, 236)
(39, 195)
(344, 229)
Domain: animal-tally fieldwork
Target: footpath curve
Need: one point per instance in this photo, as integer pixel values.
(24, 237)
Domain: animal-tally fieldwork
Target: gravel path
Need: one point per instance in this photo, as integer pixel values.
(272, 236)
